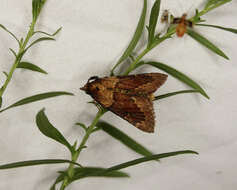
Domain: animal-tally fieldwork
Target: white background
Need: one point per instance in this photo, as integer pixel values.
(94, 35)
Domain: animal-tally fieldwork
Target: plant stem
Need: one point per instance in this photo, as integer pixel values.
(18, 58)
(75, 156)
(133, 64)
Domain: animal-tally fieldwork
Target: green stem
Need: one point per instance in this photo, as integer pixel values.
(18, 58)
(132, 66)
(75, 156)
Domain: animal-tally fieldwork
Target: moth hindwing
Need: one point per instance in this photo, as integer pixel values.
(129, 97)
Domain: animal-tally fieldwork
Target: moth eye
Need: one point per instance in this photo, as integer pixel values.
(97, 88)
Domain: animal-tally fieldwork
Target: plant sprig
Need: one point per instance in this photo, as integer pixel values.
(153, 41)
(76, 171)
(24, 45)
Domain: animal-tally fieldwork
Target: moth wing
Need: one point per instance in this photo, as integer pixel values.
(188, 23)
(148, 82)
(137, 110)
(176, 20)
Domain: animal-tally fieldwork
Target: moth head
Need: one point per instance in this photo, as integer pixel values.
(91, 85)
(184, 15)
(85, 88)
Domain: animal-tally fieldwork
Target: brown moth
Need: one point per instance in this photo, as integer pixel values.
(182, 22)
(129, 97)
(165, 16)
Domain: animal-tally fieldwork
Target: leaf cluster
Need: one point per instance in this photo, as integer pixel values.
(24, 44)
(154, 39)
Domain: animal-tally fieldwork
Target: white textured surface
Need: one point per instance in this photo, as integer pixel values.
(93, 37)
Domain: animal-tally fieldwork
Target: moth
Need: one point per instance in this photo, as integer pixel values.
(182, 22)
(130, 97)
(165, 17)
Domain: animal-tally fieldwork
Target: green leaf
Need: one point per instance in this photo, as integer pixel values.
(123, 138)
(0, 101)
(102, 172)
(21, 41)
(175, 93)
(196, 18)
(37, 97)
(148, 158)
(5, 73)
(211, 4)
(30, 66)
(96, 172)
(8, 31)
(50, 131)
(39, 40)
(219, 27)
(53, 187)
(82, 125)
(58, 179)
(13, 52)
(34, 163)
(202, 40)
(54, 34)
(178, 75)
(89, 172)
(153, 21)
(135, 38)
(36, 8)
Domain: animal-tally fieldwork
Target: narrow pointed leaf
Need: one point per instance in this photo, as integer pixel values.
(35, 162)
(13, 52)
(49, 130)
(178, 75)
(9, 32)
(96, 172)
(175, 93)
(53, 186)
(82, 125)
(0, 101)
(205, 42)
(5, 73)
(39, 40)
(149, 158)
(58, 179)
(153, 21)
(83, 172)
(212, 4)
(135, 38)
(123, 138)
(30, 66)
(36, 98)
(54, 34)
(219, 27)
